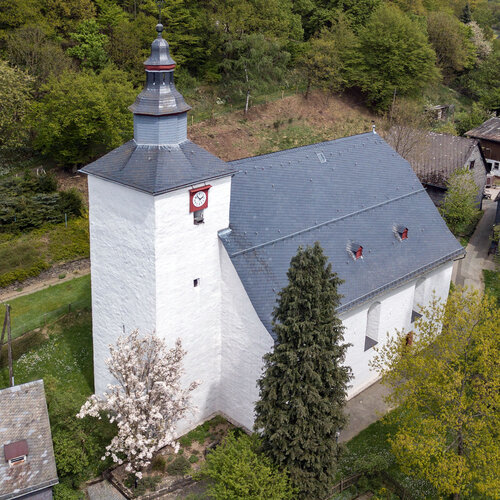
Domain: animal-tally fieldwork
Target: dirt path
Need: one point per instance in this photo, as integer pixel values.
(70, 270)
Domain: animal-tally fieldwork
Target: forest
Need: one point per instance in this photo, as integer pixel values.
(69, 69)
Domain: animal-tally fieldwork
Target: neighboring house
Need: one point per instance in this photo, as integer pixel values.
(489, 135)
(437, 156)
(27, 464)
(194, 248)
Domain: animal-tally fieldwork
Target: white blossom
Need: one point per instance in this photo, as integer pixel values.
(147, 401)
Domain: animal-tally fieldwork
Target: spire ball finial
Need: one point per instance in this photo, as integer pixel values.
(159, 28)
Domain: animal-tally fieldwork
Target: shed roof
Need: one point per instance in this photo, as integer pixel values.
(24, 416)
(158, 169)
(489, 130)
(439, 156)
(361, 194)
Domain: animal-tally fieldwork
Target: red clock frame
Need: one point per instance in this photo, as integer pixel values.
(192, 192)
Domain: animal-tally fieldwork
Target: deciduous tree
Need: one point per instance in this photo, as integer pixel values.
(15, 100)
(447, 385)
(395, 54)
(303, 388)
(459, 207)
(147, 401)
(83, 115)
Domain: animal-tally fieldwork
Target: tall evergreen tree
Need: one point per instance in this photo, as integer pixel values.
(303, 389)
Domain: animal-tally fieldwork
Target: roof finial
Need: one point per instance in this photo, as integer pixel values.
(159, 26)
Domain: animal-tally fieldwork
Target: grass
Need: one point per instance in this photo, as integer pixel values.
(28, 254)
(492, 283)
(36, 309)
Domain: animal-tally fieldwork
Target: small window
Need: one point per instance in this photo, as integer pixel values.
(359, 252)
(404, 234)
(372, 326)
(198, 217)
(196, 282)
(321, 157)
(471, 164)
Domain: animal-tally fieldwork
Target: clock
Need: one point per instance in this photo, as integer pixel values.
(198, 198)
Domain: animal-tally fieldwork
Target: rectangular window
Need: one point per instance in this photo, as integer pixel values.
(471, 165)
(198, 217)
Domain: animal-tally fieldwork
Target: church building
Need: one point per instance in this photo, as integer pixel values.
(192, 247)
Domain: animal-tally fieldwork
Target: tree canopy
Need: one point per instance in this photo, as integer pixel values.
(304, 386)
(447, 387)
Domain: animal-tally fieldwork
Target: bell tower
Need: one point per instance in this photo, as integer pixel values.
(156, 204)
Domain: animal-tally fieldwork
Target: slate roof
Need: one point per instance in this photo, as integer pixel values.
(489, 130)
(361, 193)
(440, 155)
(158, 169)
(23, 415)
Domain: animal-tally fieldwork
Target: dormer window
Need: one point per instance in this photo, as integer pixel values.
(401, 232)
(355, 250)
(16, 453)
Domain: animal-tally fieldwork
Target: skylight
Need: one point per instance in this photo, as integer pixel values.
(321, 157)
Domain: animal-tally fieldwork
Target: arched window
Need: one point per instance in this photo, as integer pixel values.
(418, 299)
(372, 326)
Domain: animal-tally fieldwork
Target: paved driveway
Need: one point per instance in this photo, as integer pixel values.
(469, 271)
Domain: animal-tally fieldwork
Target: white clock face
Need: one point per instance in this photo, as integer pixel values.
(199, 198)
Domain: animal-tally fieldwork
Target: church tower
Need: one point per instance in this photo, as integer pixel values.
(156, 204)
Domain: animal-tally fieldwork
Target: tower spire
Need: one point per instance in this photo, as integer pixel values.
(159, 97)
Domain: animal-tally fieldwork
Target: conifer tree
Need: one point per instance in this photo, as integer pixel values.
(303, 388)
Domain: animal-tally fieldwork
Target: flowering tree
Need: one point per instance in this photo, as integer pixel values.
(147, 401)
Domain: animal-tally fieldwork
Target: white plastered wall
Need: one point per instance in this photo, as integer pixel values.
(245, 340)
(123, 269)
(185, 252)
(395, 313)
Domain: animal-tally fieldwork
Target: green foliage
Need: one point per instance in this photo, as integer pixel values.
(143, 485)
(327, 61)
(459, 208)
(159, 463)
(179, 466)
(466, 15)
(472, 118)
(482, 84)
(252, 64)
(83, 115)
(447, 385)
(394, 55)
(31, 201)
(492, 284)
(450, 40)
(90, 44)
(15, 101)
(239, 471)
(300, 411)
(30, 48)
(193, 459)
(33, 269)
(64, 491)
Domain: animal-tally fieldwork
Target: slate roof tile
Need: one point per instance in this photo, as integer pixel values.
(361, 193)
(23, 415)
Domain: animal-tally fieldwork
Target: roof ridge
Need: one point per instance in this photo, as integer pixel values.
(316, 226)
(304, 146)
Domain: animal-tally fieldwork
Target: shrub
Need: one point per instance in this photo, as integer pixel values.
(179, 466)
(159, 463)
(64, 491)
(239, 471)
(193, 459)
(21, 274)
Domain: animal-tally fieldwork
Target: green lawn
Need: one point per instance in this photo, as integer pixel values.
(39, 308)
(492, 283)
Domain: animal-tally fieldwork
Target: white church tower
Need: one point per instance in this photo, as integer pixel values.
(156, 205)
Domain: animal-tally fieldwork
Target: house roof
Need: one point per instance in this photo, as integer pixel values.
(158, 169)
(24, 416)
(489, 130)
(439, 156)
(351, 190)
